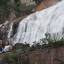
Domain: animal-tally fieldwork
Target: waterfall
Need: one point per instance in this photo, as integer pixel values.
(35, 26)
(10, 30)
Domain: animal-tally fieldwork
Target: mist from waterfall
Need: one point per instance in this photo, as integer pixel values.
(35, 26)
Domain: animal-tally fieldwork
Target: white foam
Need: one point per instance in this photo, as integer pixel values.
(34, 27)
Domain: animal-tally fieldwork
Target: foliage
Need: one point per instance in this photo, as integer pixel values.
(54, 41)
(46, 43)
(15, 57)
(7, 7)
(22, 48)
(22, 9)
(38, 1)
(4, 9)
(12, 58)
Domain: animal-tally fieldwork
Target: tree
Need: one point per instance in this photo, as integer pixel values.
(38, 1)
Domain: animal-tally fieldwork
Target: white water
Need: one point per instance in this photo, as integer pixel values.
(35, 26)
(10, 31)
(7, 48)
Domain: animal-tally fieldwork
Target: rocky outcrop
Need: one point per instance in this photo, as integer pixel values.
(3, 32)
(42, 4)
(45, 56)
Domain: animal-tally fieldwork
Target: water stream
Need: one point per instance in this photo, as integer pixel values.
(35, 26)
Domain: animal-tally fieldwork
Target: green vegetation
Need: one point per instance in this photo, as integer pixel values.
(15, 57)
(4, 10)
(15, 7)
(12, 58)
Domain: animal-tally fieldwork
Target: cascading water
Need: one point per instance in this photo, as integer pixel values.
(10, 31)
(35, 26)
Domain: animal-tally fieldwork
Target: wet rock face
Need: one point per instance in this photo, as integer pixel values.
(45, 56)
(15, 27)
(4, 31)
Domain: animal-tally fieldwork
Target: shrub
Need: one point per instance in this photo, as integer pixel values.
(11, 58)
